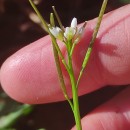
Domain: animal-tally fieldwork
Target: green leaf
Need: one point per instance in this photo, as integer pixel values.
(11, 111)
(8, 120)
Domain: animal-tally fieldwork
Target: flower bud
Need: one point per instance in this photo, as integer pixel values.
(69, 33)
(74, 23)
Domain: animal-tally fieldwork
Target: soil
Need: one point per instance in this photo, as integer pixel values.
(17, 30)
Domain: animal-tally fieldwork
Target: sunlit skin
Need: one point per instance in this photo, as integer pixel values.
(30, 76)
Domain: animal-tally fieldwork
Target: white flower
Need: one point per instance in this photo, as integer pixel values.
(74, 23)
(69, 33)
(57, 33)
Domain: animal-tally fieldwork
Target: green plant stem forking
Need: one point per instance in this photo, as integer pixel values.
(69, 36)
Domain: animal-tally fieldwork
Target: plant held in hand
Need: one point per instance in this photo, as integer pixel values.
(70, 36)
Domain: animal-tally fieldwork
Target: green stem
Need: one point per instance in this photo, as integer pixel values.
(57, 61)
(39, 15)
(72, 49)
(60, 53)
(61, 79)
(75, 98)
(74, 91)
(88, 53)
(58, 18)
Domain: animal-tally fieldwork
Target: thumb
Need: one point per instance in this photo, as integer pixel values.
(112, 115)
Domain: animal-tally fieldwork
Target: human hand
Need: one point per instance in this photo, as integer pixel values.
(30, 74)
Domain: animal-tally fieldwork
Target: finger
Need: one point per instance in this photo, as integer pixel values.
(109, 63)
(30, 74)
(113, 115)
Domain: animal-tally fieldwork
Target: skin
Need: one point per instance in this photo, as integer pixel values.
(30, 76)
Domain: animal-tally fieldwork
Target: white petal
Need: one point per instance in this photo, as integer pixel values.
(66, 31)
(74, 23)
(57, 33)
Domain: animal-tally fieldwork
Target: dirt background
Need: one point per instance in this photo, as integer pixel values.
(18, 30)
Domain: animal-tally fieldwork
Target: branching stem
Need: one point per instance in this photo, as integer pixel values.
(59, 70)
(70, 45)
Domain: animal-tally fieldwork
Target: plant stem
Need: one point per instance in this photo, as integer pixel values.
(69, 67)
(39, 15)
(61, 79)
(76, 111)
(75, 98)
(88, 53)
(59, 70)
(58, 18)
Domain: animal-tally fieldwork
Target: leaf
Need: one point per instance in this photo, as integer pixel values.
(11, 111)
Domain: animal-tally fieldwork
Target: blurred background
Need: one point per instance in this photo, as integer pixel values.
(19, 27)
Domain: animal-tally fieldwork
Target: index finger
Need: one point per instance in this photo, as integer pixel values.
(30, 75)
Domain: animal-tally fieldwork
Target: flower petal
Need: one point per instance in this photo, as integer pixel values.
(74, 23)
(57, 33)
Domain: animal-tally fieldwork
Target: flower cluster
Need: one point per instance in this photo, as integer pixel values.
(69, 33)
